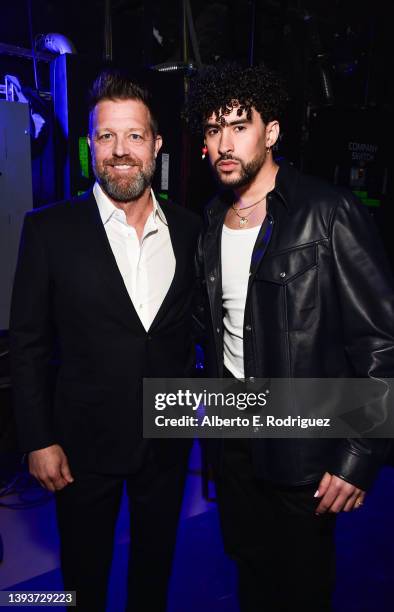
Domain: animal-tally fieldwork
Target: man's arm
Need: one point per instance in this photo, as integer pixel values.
(199, 314)
(31, 343)
(366, 293)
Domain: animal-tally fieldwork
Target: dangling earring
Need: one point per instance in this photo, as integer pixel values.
(204, 151)
(268, 149)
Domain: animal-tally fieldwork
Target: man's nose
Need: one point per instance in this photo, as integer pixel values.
(120, 147)
(226, 144)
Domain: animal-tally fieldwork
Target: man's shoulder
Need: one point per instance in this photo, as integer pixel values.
(62, 207)
(61, 211)
(318, 186)
(323, 197)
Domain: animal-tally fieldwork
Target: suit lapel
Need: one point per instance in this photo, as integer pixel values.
(178, 237)
(93, 235)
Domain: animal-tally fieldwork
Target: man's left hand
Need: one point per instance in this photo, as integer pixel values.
(336, 495)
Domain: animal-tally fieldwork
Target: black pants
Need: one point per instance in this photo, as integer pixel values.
(284, 553)
(87, 511)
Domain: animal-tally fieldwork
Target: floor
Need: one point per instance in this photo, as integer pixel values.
(203, 578)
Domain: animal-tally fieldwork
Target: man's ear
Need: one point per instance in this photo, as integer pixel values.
(272, 131)
(158, 144)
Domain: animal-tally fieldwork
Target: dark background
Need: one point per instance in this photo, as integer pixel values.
(335, 55)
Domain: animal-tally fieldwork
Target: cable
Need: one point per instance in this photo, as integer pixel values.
(32, 42)
(192, 33)
(27, 490)
(252, 33)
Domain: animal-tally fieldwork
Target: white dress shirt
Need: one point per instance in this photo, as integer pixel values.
(147, 266)
(237, 248)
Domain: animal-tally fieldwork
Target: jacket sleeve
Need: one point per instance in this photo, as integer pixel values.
(366, 293)
(199, 314)
(31, 342)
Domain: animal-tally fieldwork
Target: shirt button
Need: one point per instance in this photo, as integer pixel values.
(251, 379)
(218, 330)
(248, 328)
(270, 221)
(282, 274)
(212, 278)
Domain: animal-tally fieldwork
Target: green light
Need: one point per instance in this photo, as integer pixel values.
(84, 156)
(371, 202)
(363, 197)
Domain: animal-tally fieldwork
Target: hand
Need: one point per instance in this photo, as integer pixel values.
(336, 494)
(50, 467)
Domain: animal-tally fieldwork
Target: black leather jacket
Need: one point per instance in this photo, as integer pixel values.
(320, 304)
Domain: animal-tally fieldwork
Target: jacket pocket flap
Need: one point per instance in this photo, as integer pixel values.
(283, 267)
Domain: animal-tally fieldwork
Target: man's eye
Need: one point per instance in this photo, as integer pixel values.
(136, 137)
(239, 128)
(105, 136)
(212, 131)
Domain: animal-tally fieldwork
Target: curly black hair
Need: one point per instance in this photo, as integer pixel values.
(219, 89)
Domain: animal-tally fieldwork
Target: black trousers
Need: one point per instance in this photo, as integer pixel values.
(285, 554)
(87, 511)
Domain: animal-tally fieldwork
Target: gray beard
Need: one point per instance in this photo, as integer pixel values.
(126, 189)
(248, 172)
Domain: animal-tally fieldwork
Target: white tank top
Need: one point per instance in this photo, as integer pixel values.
(237, 248)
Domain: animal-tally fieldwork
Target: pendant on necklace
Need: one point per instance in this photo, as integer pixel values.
(243, 221)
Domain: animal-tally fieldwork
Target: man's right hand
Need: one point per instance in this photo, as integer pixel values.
(50, 467)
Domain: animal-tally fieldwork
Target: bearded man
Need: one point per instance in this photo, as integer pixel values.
(107, 280)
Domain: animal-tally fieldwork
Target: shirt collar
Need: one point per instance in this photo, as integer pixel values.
(286, 183)
(107, 209)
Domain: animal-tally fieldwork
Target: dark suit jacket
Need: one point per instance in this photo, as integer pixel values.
(69, 299)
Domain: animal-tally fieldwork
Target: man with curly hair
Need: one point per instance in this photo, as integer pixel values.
(297, 285)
